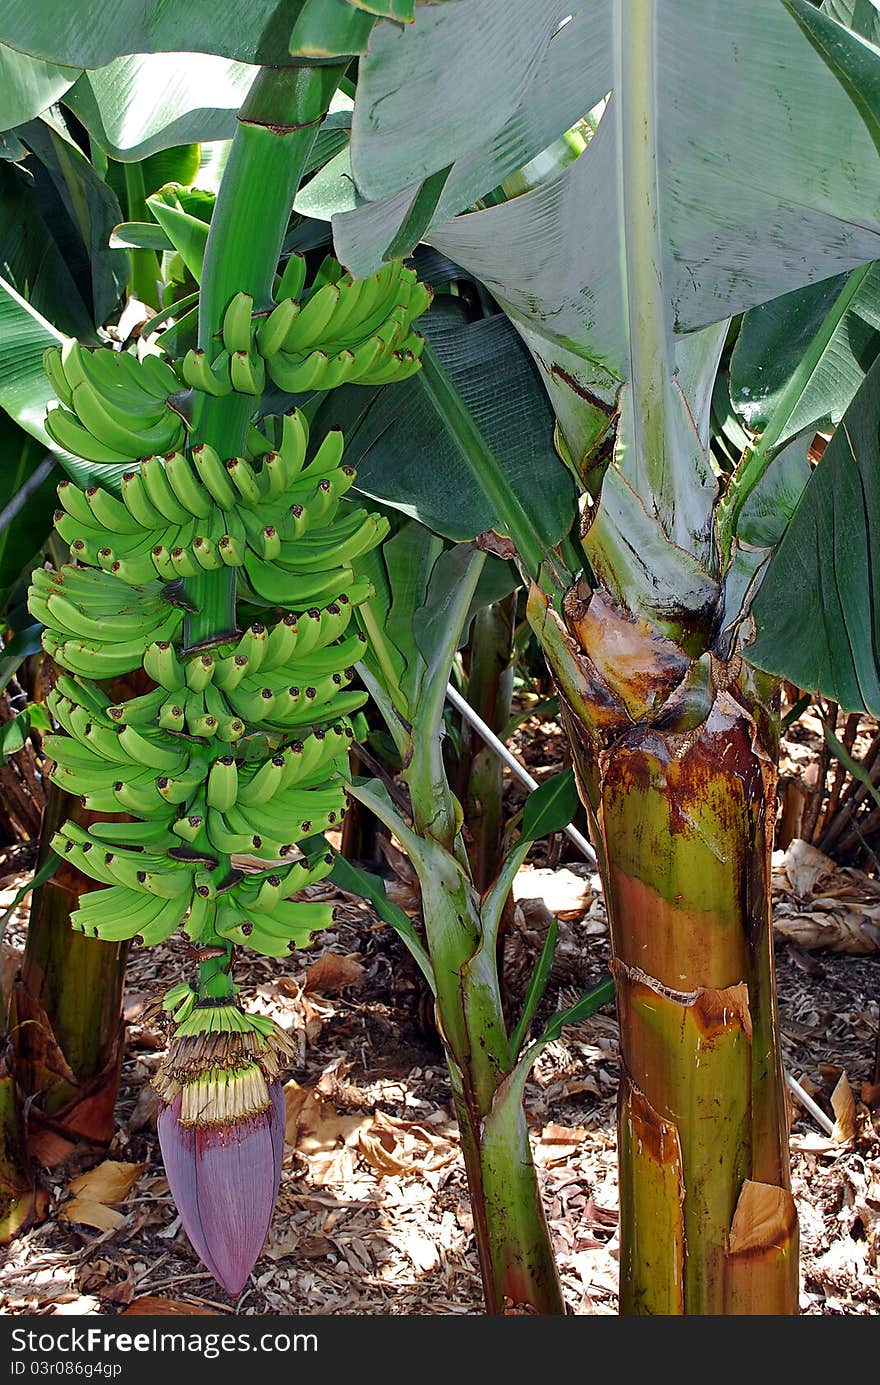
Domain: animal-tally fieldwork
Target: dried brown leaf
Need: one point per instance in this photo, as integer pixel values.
(88, 1212)
(109, 1182)
(392, 1146)
(152, 1306)
(844, 1106)
(333, 972)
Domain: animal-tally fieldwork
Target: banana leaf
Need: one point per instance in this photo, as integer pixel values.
(27, 502)
(143, 103)
(28, 86)
(734, 230)
(251, 31)
(817, 611)
(408, 458)
(799, 360)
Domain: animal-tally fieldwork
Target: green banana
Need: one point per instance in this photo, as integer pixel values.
(200, 374)
(290, 284)
(237, 323)
(190, 493)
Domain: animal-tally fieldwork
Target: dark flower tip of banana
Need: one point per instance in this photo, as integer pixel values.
(221, 1132)
(224, 1179)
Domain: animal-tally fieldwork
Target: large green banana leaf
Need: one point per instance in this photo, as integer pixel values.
(765, 163)
(799, 359)
(25, 465)
(817, 612)
(25, 393)
(30, 256)
(765, 169)
(142, 103)
(92, 35)
(28, 86)
(409, 456)
(82, 214)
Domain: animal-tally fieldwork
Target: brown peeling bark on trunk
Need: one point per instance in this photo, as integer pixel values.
(22, 1200)
(675, 759)
(66, 1014)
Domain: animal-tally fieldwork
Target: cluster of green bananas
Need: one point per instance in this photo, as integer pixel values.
(180, 516)
(218, 782)
(116, 409)
(343, 331)
(112, 407)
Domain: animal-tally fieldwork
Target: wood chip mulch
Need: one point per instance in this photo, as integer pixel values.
(373, 1215)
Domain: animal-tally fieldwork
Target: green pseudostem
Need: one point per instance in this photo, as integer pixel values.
(232, 764)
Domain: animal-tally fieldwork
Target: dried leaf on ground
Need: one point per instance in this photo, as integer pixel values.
(333, 972)
(394, 1146)
(150, 1306)
(313, 1125)
(96, 1191)
(557, 1142)
(844, 1105)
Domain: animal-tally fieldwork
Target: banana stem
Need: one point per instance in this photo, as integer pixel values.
(277, 127)
(144, 280)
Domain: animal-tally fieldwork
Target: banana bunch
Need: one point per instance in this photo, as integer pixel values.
(179, 516)
(96, 626)
(112, 407)
(343, 331)
(198, 806)
(215, 785)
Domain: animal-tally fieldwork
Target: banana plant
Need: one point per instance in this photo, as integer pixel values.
(214, 558)
(425, 598)
(665, 225)
(59, 200)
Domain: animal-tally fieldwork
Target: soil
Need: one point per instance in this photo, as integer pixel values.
(373, 1214)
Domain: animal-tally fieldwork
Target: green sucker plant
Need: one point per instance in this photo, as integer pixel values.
(425, 597)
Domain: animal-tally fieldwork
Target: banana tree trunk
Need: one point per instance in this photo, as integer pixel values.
(20, 1200)
(66, 1011)
(676, 764)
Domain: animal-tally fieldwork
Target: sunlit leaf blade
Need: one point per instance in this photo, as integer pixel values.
(140, 235)
(24, 335)
(90, 35)
(28, 86)
(143, 103)
(817, 612)
(754, 80)
(409, 71)
(25, 393)
(551, 807)
(799, 360)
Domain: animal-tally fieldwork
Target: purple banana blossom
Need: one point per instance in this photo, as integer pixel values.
(224, 1179)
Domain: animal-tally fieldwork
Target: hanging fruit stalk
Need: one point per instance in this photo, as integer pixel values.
(237, 753)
